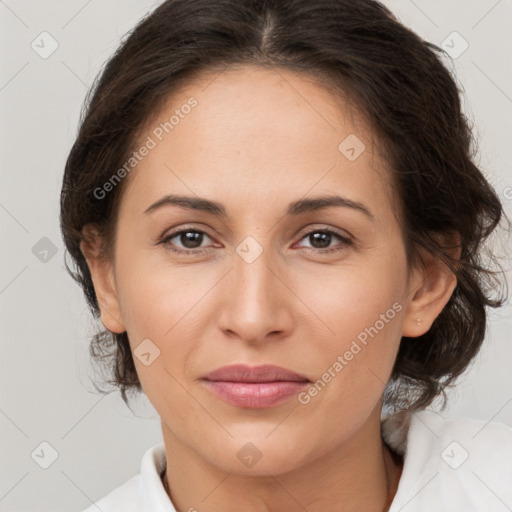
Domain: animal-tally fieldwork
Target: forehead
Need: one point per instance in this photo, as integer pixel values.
(255, 134)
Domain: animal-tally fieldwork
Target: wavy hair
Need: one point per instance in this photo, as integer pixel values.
(358, 49)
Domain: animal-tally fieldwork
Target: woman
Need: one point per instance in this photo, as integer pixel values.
(273, 208)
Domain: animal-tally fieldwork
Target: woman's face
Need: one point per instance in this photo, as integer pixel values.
(262, 283)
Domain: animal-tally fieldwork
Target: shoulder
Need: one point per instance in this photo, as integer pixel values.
(127, 497)
(142, 492)
(451, 464)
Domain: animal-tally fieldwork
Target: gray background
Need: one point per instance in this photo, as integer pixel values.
(46, 391)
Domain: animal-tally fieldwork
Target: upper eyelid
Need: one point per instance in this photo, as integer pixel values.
(305, 232)
(186, 229)
(345, 238)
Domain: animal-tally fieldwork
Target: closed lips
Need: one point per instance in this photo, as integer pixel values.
(254, 374)
(254, 387)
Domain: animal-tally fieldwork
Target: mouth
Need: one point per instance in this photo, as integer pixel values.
(255, 387)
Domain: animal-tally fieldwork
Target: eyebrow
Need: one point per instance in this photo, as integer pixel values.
(294, 208)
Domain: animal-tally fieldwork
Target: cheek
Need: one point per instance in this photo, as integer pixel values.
(358, 311)
(165, 304)
(173, 306)
(170, 305)
(347, 299)
(157, 297)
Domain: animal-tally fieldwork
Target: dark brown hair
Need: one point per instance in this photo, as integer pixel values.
(359, 49)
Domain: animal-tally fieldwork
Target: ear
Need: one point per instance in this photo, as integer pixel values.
(431, 287)
(102, 274)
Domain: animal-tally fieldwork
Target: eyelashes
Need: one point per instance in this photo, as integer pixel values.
(345, 241)
(327, 236)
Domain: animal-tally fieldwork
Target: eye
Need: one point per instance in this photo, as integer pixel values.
(190, 239)
(322, 238)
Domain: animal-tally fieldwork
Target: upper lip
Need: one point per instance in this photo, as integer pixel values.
(245, 373)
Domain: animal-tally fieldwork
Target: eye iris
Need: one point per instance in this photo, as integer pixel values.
(189, 238)
(323, 238)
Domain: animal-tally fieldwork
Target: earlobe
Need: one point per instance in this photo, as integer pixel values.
(431, 290)
(102, 275)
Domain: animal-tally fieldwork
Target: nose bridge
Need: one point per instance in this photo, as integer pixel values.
(254, 281)
(255, 305)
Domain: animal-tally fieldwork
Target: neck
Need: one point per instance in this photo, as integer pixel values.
(360, 474)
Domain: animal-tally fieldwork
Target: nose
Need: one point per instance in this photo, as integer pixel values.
(257, 301)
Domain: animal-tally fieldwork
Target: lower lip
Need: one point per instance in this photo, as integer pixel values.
(255, 395)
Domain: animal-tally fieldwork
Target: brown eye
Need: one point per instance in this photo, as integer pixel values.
(321, 239)
(190, 240)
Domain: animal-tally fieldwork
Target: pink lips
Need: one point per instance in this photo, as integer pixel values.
(254, 387)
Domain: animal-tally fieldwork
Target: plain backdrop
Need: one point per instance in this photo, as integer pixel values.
(45, 373)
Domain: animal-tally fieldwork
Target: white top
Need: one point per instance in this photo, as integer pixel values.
(459, 465)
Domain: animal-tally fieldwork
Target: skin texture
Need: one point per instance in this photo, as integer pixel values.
(257, 140)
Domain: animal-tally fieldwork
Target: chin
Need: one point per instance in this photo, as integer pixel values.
(257, 455)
